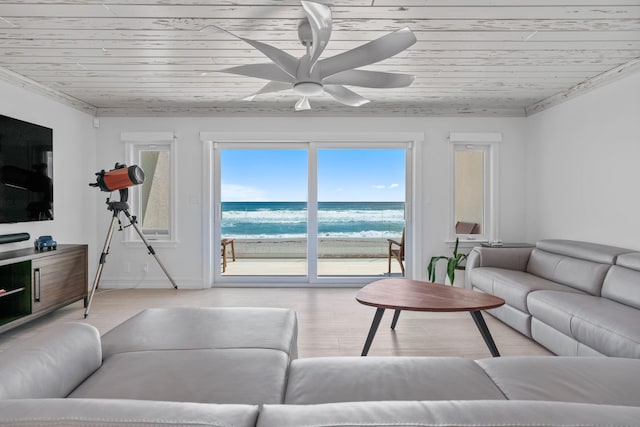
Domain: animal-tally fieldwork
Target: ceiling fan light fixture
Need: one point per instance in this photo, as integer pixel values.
(307, 89)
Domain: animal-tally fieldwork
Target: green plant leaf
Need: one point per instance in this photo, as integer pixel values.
(455, 248)
(453, 263)
(431, 268)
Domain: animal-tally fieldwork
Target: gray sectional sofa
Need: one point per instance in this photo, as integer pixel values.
(575, 298)
(237, 367)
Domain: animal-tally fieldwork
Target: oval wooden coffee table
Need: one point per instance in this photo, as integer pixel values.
(413, 295)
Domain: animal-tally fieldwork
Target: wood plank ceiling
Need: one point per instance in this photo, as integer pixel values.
(473, 57)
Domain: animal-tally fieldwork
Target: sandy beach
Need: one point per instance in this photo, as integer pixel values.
(297, 248)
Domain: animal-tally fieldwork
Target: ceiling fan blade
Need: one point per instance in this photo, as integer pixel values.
(345, 96)
(286, 62)
(213, 29)
(303, 104)
(320, 21)
(366, 78)
(260, 71)
(368, 53)
(269, 88)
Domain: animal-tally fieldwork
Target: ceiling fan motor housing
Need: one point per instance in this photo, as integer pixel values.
(307, 88)
(304, 33)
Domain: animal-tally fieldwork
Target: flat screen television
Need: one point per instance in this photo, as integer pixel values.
(26, 171)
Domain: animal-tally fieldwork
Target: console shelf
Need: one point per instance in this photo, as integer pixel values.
(37, 283)
(11, 292)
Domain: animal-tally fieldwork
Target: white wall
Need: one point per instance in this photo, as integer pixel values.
(184, 259)
(567, 172)
(74, 141)
(583, 160)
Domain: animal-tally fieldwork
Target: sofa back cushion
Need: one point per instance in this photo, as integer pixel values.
(52, 364)
(577, 273)
(622, 283)
(602, 254)
(107, 412)
(581, 265)
(486, 413)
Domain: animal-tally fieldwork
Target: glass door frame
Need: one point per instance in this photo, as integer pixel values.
(214, 142)
(217, 204)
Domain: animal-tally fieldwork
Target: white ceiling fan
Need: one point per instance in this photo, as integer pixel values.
(310, 76)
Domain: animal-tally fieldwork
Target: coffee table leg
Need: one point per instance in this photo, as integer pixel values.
(484, 331)
(395, 319)
(372, 331)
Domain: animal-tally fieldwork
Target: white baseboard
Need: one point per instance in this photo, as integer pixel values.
(150, 283)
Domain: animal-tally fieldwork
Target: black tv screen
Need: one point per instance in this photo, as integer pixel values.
(26, 171)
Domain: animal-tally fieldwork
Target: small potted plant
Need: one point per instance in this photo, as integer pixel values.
(453, 263)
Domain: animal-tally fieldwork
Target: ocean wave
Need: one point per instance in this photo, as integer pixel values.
(298, 216)
(335, 220)
(265, 216)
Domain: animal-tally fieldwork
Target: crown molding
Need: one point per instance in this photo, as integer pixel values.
(253, 109)
(33, 86)
(586, 86)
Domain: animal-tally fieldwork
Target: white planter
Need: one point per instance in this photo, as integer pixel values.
(458, 280)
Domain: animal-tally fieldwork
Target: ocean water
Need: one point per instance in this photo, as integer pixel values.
(287, 220)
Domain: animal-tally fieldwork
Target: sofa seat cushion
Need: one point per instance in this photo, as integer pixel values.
(518, 320)
(606, 326)
(600, 380)
(557, 309)
(344, 379)
(242, 376)
(181, 328)
(512, 286)
(470, 413)
(609, 327)
(106, 412)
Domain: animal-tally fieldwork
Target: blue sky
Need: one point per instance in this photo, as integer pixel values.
(343, 175)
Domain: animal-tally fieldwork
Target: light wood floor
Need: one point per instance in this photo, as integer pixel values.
(331, 321)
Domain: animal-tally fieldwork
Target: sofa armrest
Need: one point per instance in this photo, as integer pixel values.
(507, 258)
(50, 365)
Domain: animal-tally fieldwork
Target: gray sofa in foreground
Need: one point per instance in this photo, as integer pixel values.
(238, 368)
(575, 298)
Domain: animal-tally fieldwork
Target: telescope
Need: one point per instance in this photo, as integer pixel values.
(118, 178)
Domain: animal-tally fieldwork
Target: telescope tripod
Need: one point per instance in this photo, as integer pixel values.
(117, 208)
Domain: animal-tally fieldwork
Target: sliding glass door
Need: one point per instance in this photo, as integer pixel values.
(309, 212)
(361, 200)
(264, 212)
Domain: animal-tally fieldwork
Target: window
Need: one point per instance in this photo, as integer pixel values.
(469, 189)
(474, 186)
(153, 201)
